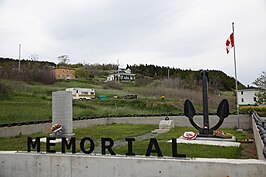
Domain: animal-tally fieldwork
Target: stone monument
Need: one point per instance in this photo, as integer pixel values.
(165, 126)
(62, 112)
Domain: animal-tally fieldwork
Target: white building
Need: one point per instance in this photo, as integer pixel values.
(122, 75)
(247, 96)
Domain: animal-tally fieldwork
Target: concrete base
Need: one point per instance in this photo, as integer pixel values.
(68, 136)
(239, 130)
(159, 131)
(233, 139)
(68, 165)
(57, 140)
(166, 124)
(207, 142)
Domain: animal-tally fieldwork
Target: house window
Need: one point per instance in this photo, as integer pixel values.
(242, 100)
(241, 92)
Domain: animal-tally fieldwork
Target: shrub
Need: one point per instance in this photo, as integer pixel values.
(5, 91)
(113, 85)
(259, 109)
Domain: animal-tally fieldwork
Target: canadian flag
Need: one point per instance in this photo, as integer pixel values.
(230, 43)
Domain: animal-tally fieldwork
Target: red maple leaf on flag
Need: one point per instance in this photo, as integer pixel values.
(230, 43)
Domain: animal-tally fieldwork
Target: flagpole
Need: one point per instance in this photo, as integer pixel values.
(237, 105)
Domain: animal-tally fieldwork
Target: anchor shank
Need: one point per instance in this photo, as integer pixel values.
(205, 101)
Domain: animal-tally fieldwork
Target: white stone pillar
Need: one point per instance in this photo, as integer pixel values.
(62, 111)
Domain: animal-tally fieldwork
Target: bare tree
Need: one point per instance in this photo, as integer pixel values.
(34, 57)
(261, 83)
(63, 59)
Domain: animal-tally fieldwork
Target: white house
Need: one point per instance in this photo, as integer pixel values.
(247, 96)
(122, 75)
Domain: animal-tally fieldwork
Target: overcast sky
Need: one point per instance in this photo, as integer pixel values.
(177, 33)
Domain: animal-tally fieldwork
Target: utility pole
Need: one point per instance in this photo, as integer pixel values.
(19, 55)
(118, 70)
(168, 73)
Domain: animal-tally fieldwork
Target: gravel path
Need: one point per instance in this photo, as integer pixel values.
(123, 142)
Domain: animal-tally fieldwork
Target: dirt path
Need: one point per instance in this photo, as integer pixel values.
(249, 149)
(123, 142)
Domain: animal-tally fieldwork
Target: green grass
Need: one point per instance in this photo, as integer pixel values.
(178, 131)
(25, 111)
(18, 143)
(34, 101)
(193, 151)
(114, 131)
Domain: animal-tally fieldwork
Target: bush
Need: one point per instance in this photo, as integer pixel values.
(5, 91)
(113, 85)
(261, 110)
(43, 76)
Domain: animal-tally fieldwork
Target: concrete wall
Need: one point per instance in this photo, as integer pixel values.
(181, 121)
(258, 141)
(68, 165)
(24, 129)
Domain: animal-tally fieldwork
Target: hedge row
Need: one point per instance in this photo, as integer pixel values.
(261, 110)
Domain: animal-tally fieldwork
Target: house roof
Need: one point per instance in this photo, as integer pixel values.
(248, 89)
(63, 67)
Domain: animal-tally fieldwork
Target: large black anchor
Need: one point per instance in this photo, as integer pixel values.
(222, 110)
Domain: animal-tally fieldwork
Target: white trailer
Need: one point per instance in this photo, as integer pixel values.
(82, 93)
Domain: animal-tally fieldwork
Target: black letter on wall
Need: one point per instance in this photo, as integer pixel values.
(48, 144)
(65, 145)
(82, 145)
(108, 147)
(33, 144)
(174, 147)
(129, 147)
(157, 150)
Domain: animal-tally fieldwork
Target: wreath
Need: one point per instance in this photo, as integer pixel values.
(57, 129)
(189, 135)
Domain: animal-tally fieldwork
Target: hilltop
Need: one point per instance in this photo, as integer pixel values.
(145, 74)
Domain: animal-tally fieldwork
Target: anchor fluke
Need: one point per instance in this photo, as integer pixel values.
(190, 112)
(189, 109)
(222, 113)
(223, 109)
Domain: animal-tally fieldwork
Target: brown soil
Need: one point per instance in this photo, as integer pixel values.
(249, 149)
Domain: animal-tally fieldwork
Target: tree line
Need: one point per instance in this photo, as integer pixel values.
(41, 71)
(27, 70)
(217, 79)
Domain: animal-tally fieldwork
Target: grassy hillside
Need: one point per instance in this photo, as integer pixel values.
(26, 95)
(27, 102)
